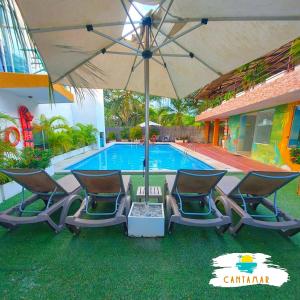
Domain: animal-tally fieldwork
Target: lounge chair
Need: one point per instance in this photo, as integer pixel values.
(43, 187)
(101, 186)
(195, 186)
(244, 196)
(166, 138)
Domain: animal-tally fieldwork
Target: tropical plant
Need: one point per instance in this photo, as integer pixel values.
(60, 142)
(125, 108)
(34, 158)
(253, 73)
(111, 136)
(50, 125)
(136, 133)
(7, 151)
(124, 133)
(295, 51)
(153, 131)
(88, 133)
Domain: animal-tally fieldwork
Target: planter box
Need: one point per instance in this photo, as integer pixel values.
(146, 220)
(72, 153)
(179, 141)
(50, 170)
(8, 190)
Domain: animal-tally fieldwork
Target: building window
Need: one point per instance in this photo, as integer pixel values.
(263, 127)
(295, 129)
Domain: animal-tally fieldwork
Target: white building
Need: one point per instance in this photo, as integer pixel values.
(32, 91)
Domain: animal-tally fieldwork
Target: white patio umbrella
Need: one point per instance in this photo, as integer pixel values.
(185, 44)
(150, 124)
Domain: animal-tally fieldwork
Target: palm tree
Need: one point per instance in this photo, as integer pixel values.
(180, 109)
(88, 133)
(49, 126)
(127, 107)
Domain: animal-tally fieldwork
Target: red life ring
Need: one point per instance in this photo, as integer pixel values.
(7, 134)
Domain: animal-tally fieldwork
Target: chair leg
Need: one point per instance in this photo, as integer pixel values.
(73, 229)
(170, 227)
(290, 232)
(8, 226)
(125, 228)
(52, 225)
(236, 228)
(222, 229)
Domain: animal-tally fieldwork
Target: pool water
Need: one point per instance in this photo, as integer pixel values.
(131, 157)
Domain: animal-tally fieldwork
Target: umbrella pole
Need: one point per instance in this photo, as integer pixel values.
(147, 55)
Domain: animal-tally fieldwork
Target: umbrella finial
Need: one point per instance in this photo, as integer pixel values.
(147, 21)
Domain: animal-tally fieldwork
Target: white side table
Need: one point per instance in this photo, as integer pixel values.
(154, 193)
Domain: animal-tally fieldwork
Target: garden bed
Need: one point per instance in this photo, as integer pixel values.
(72, 153)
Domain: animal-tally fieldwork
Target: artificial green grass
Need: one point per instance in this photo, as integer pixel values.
(103, 263)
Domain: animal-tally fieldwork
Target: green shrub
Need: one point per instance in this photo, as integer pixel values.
(88, 133)
(153, 131)
(34, 158)
(295, 155)
(124, 133)
(111, 136)
(135, 133)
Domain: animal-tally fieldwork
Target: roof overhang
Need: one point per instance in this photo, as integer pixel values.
(278, 90)
(33, 87)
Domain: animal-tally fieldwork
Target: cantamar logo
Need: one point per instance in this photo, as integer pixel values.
(241, 269)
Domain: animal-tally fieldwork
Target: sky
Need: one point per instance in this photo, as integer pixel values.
(135, 16)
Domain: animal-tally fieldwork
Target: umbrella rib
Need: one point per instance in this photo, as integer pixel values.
(191, 54)
(157, 61)
(131, 71)
(132, 24)
(157, 21)
(161, 22)
(115, 40)
(123, 53)
(167, 69)
(174, 38)
(102, 50)
(136, 9)
(135, 67)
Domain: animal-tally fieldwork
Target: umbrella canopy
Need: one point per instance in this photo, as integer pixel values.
(150, 124)
(183, 45)
(225, 35)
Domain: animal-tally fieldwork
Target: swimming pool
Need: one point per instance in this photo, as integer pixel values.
(131, 156)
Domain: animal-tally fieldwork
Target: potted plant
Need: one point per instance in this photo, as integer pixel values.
(179, 140)
(186, 139)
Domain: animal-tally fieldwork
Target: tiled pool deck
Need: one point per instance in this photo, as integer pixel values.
(242, 163)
